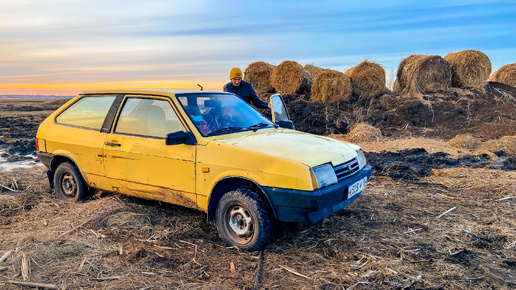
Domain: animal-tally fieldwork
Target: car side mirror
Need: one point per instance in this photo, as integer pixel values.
(279, 112)
(180, 137)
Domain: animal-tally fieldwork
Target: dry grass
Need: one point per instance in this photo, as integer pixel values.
(289, 77)
(363, 132)
(430, 145)
(367, 79)
(470, 69)
(394, 236)
(466, 141)
(259, 75)
(506, 75)
(331, 86)
(505, 143)
(419, 74)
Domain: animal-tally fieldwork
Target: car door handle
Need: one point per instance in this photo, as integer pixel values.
(112, 144)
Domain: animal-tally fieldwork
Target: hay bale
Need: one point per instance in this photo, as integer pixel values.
(466, 141)
(291, 78)
(363, 132)
(422, 74)
(470, 69)
(505, 143)
(259, 75)
(313, 70)
(367, 79)
(331, 86)
(505, 75)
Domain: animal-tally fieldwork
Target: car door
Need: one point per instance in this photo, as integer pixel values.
(78, 135)
(137, 160)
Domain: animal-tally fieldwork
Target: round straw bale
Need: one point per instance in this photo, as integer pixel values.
(470, 68)
(367, 79)
(422, 73)
(331, 86)
(289, 77)
(313, 70)
(506, 75)
(363, 132)
(259, 75)
(466, 141)
(505, 143)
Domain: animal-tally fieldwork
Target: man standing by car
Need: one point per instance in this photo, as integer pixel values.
(243, 89)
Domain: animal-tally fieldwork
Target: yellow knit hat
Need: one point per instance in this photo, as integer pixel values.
(235, 73)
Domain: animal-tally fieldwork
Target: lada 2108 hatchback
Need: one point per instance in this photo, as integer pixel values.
(209, 151)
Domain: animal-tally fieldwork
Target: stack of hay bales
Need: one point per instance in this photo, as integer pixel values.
(363, 132)
(506, 75)
(470, 69)
(421, 74)
(367, 79)
(289, 77)
(259, 75)
(313, 70)
(331, 86)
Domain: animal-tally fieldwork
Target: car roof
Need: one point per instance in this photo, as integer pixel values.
(147, 91)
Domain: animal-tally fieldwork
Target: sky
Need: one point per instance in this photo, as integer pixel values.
(62, 47)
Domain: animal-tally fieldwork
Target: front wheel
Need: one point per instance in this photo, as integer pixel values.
(243, 220)
(69, 184)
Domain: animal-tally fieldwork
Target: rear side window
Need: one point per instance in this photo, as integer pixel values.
(148, 117)
(89, 112)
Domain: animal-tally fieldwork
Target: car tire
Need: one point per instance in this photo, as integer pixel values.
(69, 184)
(243, 220)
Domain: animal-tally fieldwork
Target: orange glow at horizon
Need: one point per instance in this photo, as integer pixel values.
(71, 89)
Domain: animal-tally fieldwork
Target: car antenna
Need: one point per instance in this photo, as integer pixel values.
(200, 86)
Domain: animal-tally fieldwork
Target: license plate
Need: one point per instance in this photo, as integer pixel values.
(357, 187)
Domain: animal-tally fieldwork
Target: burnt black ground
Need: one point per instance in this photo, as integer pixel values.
(412, 164)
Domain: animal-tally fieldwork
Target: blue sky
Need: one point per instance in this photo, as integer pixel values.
(65, 46)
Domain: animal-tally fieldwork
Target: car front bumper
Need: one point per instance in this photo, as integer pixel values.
(312, 206)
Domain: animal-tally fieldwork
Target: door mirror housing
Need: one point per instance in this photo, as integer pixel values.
(279, 112)
(180, 137)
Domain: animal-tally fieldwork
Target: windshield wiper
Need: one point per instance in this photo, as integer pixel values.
(224, 130)
(258, 126)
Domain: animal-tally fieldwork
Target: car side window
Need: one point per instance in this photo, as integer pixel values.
(148, 117)
(89, 112)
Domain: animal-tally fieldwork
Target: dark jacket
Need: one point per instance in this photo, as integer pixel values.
(246, 92)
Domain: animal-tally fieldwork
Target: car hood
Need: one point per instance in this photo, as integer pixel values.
(311, 150)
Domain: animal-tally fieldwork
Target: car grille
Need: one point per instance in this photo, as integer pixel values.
(346, 169)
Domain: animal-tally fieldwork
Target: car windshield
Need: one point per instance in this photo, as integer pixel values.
(221, 113)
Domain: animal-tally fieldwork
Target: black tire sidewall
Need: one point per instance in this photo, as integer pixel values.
(263, 226)
(63, 169)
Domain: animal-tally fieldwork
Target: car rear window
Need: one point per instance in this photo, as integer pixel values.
(88, 112)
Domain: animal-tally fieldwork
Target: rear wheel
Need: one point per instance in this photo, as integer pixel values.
(243, 220)
(69, 184)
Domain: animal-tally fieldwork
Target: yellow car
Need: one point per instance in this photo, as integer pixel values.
(208, 151)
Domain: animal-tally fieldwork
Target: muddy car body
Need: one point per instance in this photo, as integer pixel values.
(209, 151)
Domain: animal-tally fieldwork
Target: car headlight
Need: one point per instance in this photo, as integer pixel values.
(361, 159)
(323, 175)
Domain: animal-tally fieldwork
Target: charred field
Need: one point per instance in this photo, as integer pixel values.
(434, 216)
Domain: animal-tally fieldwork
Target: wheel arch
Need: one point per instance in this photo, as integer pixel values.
(55, 162)
(231, 183)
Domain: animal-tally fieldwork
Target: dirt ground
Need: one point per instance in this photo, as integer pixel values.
(443, 115)
(433, 216)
